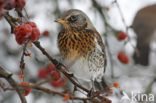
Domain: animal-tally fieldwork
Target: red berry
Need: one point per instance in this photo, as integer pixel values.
(20, 40)
(123, 58)
(27, 91)
(22, 33)
(35, 34)
(24, 30)
(121, 36)
(43, 73)
(9, 4)
(55, 75)
(32, 24)
(20, 3)
(59, 83)
(46, 33)
(51, 67)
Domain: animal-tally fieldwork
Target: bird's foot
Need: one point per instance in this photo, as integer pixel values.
(91, 92)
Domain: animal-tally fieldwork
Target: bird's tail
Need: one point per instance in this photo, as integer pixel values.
(141, 56)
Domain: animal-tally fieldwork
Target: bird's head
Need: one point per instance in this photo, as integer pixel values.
(74, 19)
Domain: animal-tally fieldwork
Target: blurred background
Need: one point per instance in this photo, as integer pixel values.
(109, 18)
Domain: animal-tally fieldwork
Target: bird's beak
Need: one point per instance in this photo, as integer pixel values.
(60, 21)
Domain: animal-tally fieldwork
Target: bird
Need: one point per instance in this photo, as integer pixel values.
(81, 47)
(144, 25)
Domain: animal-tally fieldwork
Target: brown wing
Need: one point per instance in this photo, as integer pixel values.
(101, 44)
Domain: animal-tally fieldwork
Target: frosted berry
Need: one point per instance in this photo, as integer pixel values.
(35, 34)
(24, 30)
(22, 33)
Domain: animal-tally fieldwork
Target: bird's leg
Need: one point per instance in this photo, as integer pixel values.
(92, 90)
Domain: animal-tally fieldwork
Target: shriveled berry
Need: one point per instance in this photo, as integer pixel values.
(121, 36)
(35, 34)
(123, 58)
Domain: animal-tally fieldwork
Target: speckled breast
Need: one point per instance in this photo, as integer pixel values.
(76, 43)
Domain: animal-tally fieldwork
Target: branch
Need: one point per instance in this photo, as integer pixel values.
(59, 66)
(8, 77)
(71, 97)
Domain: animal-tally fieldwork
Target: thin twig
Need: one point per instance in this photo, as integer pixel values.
(22, 64)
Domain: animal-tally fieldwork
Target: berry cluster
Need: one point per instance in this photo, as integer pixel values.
(10, 4)
(25, 32)
(123, 58)
(51, 71)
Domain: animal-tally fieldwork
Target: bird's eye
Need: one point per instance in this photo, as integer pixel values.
(73, 18)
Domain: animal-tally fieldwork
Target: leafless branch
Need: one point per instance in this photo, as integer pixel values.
(7, 76)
